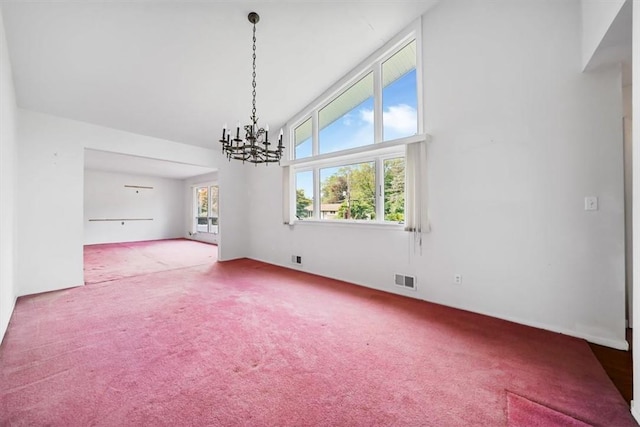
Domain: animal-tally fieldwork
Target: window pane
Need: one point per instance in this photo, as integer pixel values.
(347, 121)
(394, 190)
(202, 209)
(400, 94)
(213, 216)
(304, 194)
(348, 192)
(214, 200)
(302, 140)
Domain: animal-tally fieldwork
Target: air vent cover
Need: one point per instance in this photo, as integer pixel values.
(399, 280)
(405, 281)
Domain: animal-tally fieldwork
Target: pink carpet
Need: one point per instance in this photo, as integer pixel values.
(243, 343)
(525, 413)
(112, 261)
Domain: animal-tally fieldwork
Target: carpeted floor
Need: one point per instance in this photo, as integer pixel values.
(111, 261)
(243, 343)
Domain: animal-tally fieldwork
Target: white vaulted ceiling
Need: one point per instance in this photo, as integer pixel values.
(180, 70)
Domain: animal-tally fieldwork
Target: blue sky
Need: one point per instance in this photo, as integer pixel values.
(355, 128)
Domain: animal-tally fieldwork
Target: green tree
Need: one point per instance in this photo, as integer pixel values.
(394, 189)
(203, 201)
(301, 204)
(334, 188)
(354, 187)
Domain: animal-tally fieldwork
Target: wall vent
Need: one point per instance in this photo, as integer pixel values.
(405, 281)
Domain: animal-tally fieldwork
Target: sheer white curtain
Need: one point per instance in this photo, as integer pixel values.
(286, 195)
(416, 218)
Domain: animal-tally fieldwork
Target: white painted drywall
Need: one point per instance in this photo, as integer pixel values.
(520, 137)
(628, 196)
(635, 410)
(233, 238)
(50, 186)
(8, 157)
(147, 213)
(189, 206)
(233, 233)
(597, 17)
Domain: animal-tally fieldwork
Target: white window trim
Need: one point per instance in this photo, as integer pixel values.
(373, 61)
(194, 206)
(393, 145)
(393, 149)
(352, 222)
(376, 152)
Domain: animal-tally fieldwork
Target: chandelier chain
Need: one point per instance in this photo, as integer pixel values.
(253, 144)
(253, 84)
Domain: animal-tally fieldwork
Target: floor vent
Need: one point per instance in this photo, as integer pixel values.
(405, 281)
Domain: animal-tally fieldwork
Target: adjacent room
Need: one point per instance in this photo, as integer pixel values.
(311, 213)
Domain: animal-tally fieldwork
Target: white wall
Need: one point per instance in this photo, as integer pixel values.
(520, 137)
(106, 197)
(233, 235)
(189, 206)
(50, 200)
(597, 17)
(8, 157)
(636, 204)
(628, 196)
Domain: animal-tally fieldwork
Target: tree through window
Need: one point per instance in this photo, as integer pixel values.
(206, 201)
(349, 149)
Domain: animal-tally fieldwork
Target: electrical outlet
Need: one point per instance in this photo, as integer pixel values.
(296, 259)
(457, 279)
(591, 203)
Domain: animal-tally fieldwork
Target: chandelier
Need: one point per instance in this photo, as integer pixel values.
(254, 145)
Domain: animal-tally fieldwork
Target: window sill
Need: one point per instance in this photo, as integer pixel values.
(379, 148)
(346, 223)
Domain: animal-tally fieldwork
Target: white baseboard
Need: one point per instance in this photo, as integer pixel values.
(634, 412)
(618, 344)
(607, 342)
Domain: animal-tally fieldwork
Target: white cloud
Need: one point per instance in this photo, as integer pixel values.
(366, 115)
(398, 119)
(347, 119)
(401, 119)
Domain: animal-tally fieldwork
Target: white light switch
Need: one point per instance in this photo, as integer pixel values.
(591, 203)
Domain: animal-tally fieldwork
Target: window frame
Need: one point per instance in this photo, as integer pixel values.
(195, 205)
(377, 156)
(377, 152)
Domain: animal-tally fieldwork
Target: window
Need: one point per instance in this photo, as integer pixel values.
(206, 208)
(348, 153)
(399, 94)
(349, 192)
(213, 215)
(304, 194)
(346, 121)
(302, 140)
(394, 178)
